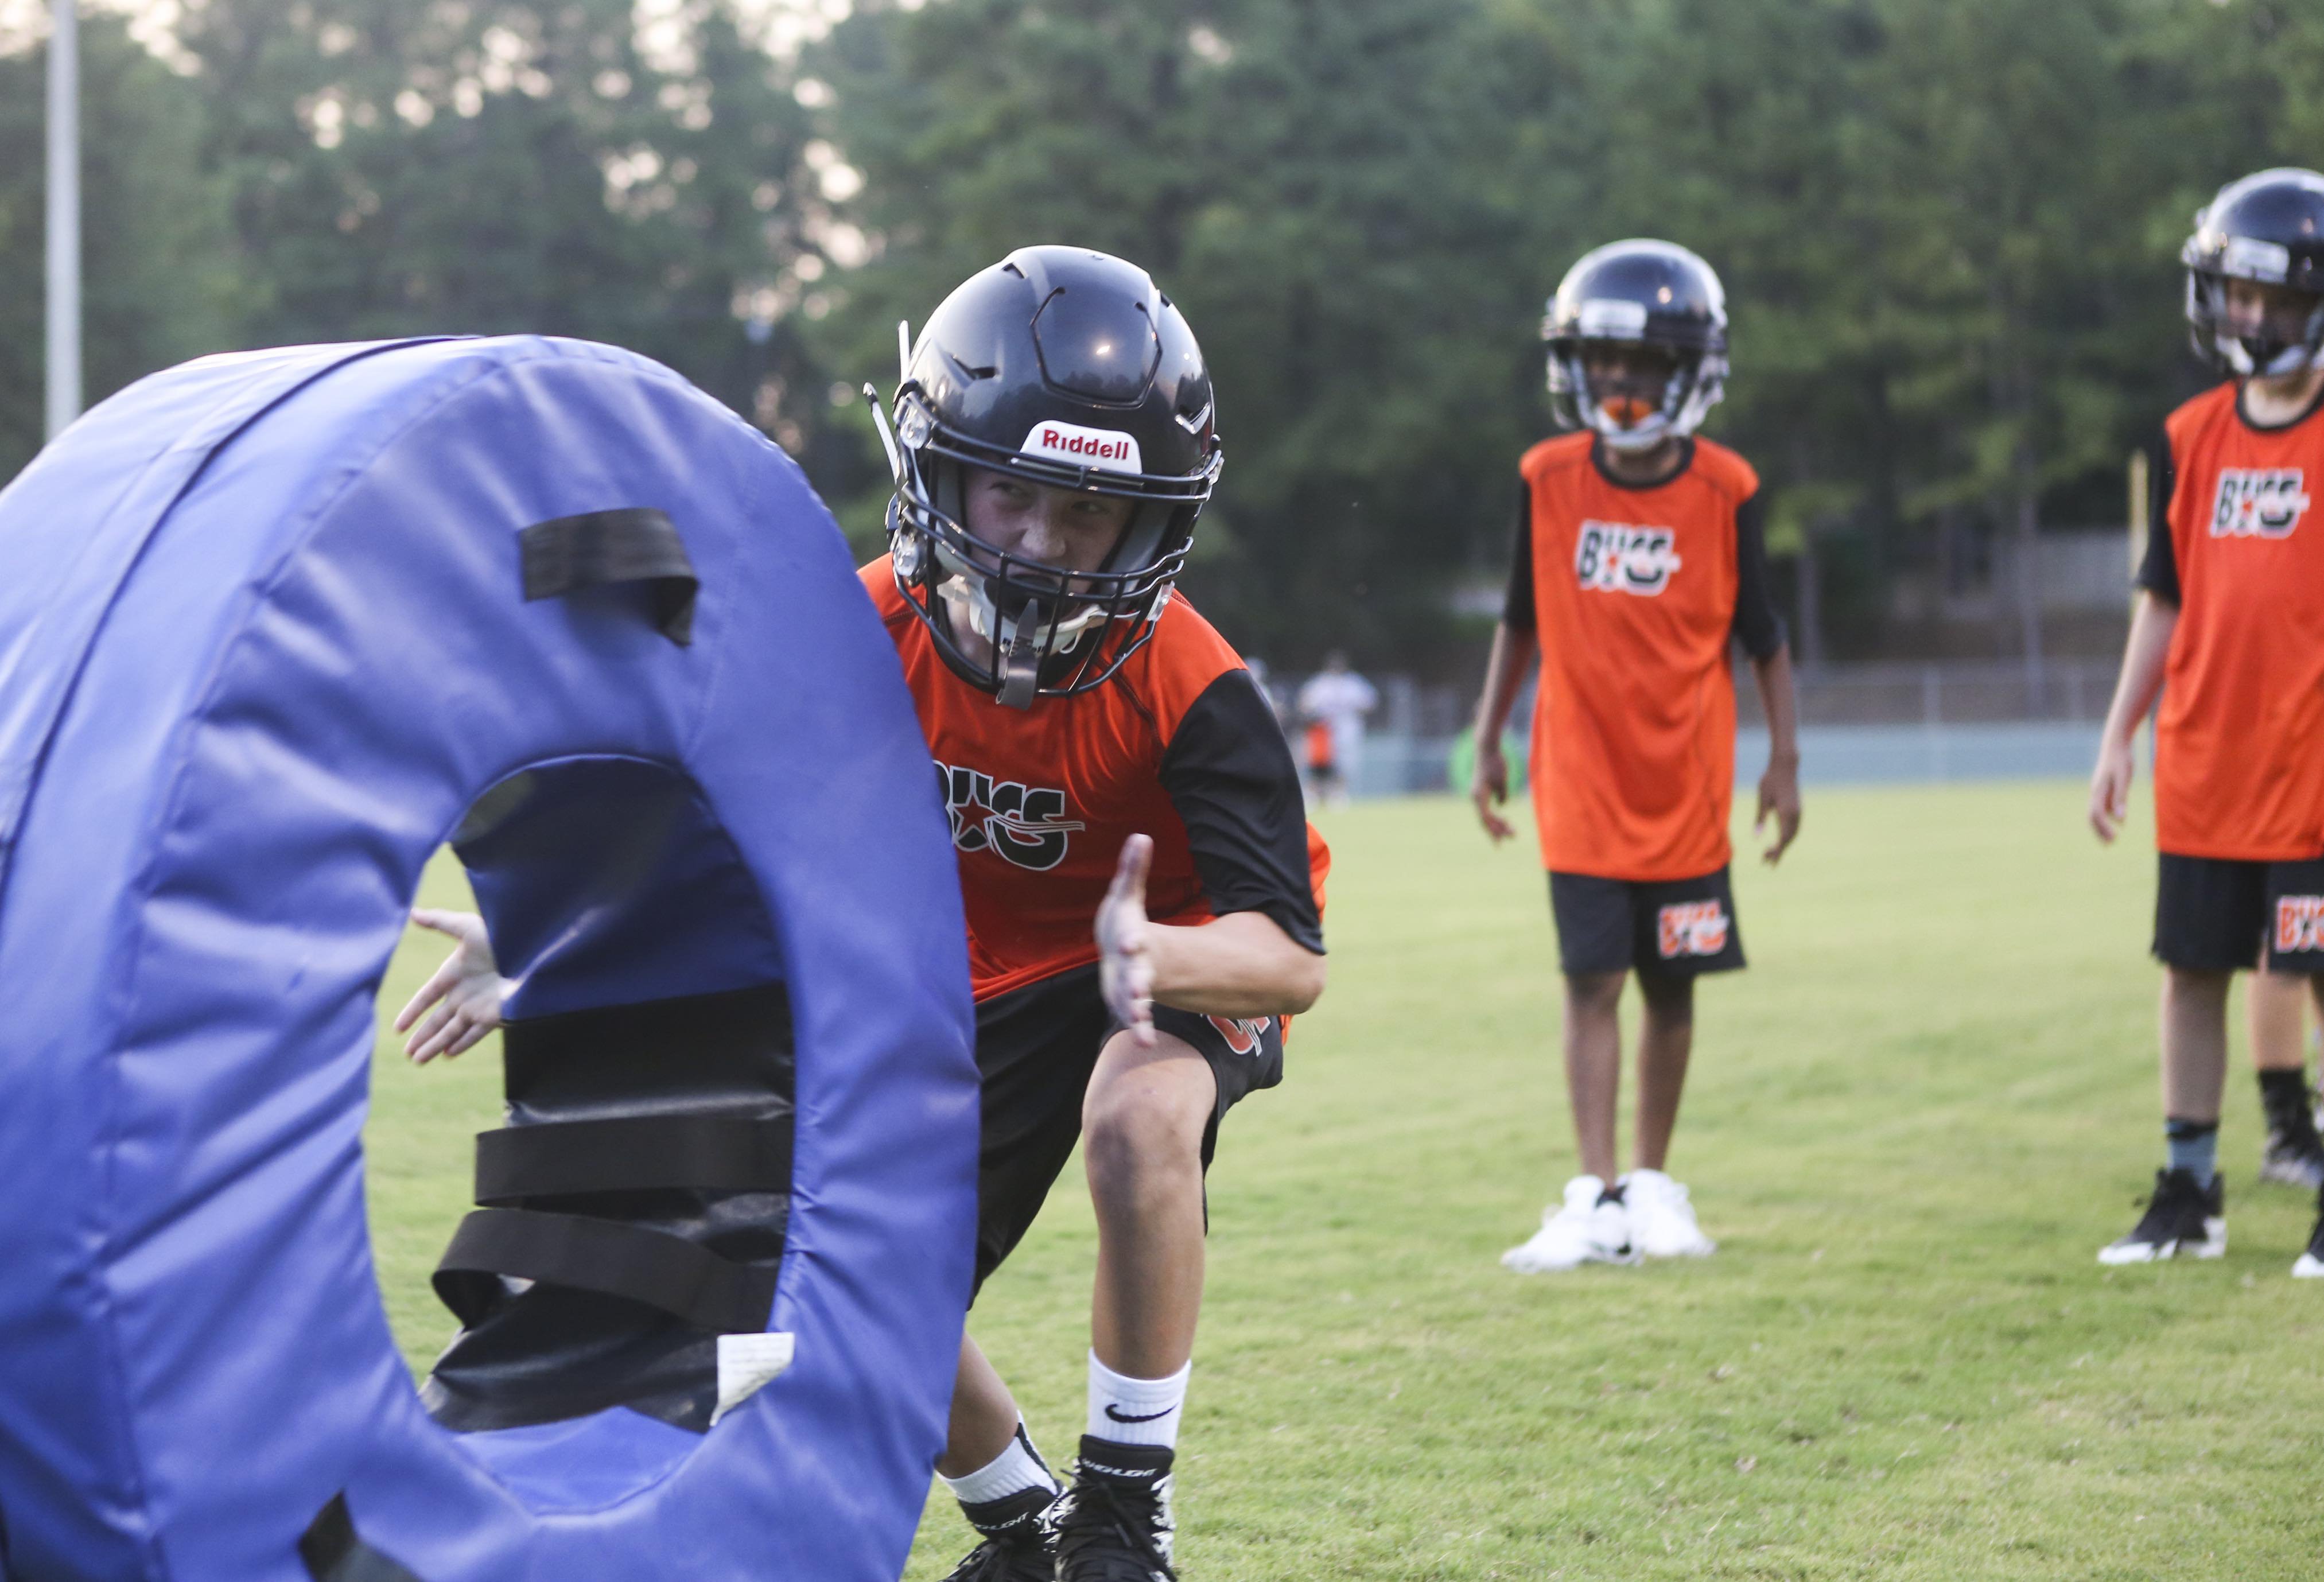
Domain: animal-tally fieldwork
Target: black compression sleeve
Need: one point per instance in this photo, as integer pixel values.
(2158, 572)
(1229, 774)
(1517, 608)
(1757, 625)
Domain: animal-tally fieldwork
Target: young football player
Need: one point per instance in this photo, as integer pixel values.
(1640, 558)
(1141, 882)
(2230, 631)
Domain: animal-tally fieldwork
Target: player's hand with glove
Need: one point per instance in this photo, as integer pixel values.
(466, 991)
(1125, 944)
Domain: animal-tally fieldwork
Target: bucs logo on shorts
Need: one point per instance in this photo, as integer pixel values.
(1020, 823)
(1242, 1034)
(2257, 502)
(1691, 928)
(1614, 558)
(2299, 923)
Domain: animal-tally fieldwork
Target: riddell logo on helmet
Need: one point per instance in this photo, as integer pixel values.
(2299, 923)
(1691, 928)
(1108, 450)
(2258, 502)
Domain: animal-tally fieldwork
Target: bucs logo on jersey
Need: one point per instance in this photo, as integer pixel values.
(1614, 558)
(1691, 928)
(2299, 923)
(2257, 502)
(1023, 825)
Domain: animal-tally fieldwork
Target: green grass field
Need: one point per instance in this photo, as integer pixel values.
(1909, 1126)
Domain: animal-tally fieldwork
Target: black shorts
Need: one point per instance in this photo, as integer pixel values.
(1671, 928)
(1035, 1047)
(2219, 915)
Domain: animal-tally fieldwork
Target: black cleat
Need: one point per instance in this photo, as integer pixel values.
(2182, 1220)
(1113, 1525)
(1020, 1541)
(2294, 1155)
(2310, 1263)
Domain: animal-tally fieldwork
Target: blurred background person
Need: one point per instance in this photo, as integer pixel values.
(1336, 699)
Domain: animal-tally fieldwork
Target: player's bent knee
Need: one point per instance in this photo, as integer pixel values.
(1146, 1122)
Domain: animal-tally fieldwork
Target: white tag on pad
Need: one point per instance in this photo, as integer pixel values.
(745, 1364)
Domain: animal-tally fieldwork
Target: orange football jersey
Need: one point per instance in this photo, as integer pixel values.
(1634, 594)
(2239, 738)
(1179, 746)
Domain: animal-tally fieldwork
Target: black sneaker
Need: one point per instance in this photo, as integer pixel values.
(1020, 1541)
(1113, 1525)
(2294, 1155)
(2182, 1220)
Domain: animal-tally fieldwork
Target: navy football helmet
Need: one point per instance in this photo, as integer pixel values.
(1062, 367)
(2267, 227)
(1638, 293)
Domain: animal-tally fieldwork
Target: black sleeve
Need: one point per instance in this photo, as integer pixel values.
(1517, 608)
(1757, 627)
(2158, 573)
(1229, 774)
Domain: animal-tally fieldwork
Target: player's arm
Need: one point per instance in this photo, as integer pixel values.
(1760, 629)
(2150, 625)
(1229, 777)
(1241, 964)
(466, 992)
(1516, 641)
(2152, 620)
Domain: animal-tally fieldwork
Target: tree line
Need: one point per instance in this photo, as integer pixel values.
(1948, 229)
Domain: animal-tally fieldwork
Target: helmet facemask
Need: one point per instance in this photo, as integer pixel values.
(1627, 412)
(1044, 631)
(2266, 354)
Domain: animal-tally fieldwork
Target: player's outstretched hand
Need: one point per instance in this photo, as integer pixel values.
(2111, 789)
(1125, 949)
(1488, 788)
(1779, 794)
(466, 991)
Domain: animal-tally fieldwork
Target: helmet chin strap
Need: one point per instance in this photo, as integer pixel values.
(1020, 663)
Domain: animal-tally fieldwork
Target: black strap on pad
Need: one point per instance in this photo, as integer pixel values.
(666, 1272)
(643, 1189)
(334, 1552)
(713, 1153)
(602, 549)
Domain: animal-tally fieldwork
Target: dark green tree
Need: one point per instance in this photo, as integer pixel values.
(1319, 185)
(158, 279)
(402, 168)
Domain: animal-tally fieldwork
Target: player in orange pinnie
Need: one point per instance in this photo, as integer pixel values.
(1053, 440)
(2229, 633)
(1639, 560)
(1142, 889)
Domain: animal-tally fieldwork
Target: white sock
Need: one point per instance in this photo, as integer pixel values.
(1135, 1412)
(1015, 1470)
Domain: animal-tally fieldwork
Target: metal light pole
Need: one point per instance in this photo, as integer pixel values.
(64, 217)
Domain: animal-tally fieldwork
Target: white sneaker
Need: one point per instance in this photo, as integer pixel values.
(1662, 1221)
(1580, 1230)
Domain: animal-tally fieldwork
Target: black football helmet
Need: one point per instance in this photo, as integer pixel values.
(2269, 227)
(1067, 368)
(1638, 292)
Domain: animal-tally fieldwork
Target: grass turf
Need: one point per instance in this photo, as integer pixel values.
(1909, 1126)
